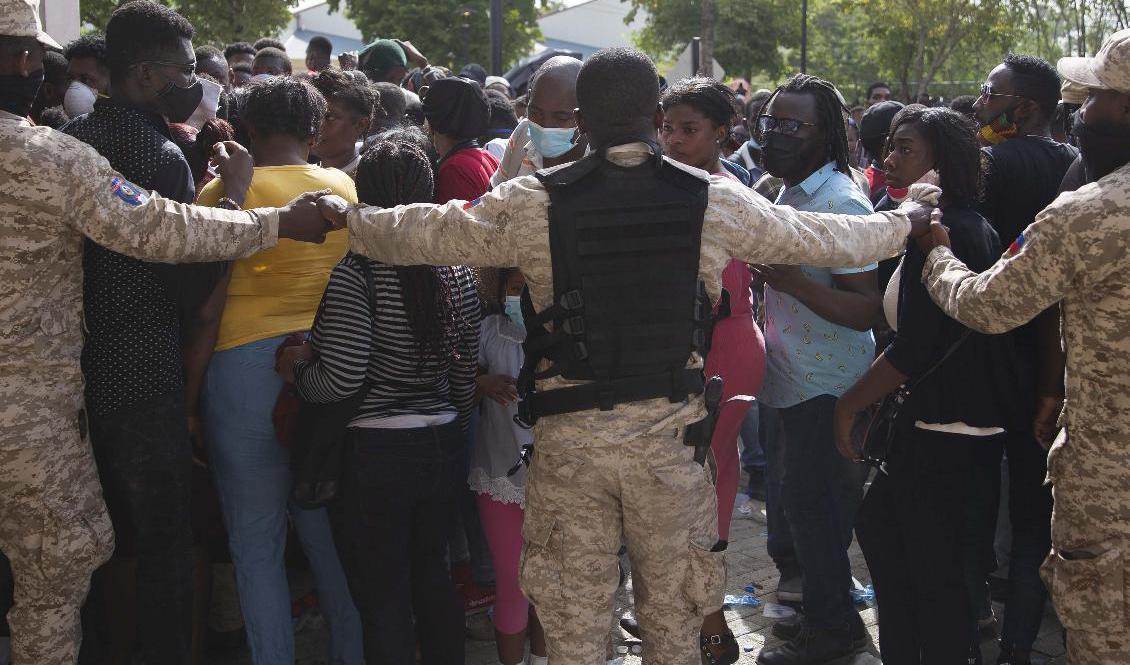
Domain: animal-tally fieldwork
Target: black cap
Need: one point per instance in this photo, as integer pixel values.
(876, 121)
(457, 107)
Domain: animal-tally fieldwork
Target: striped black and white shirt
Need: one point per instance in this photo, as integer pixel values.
(352, 345)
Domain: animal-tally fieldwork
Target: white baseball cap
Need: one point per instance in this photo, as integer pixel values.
(1108, 70)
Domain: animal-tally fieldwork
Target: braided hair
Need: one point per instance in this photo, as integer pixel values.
(829, 109)
(396, 173)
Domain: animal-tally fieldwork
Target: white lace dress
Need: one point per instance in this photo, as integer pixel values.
(498, 439)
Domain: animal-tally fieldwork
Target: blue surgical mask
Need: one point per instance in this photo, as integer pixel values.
(513, 309)
(551, 141)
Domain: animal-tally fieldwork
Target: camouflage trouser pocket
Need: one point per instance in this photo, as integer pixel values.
(539, 572)
(74, 542)
(1088, 588)
(706, 578)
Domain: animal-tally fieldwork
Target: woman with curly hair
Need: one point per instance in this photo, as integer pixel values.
(408, 336)
(267, 297)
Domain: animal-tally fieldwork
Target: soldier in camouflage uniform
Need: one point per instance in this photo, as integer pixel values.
(54, 189)
(599, 476)
(1077, 251)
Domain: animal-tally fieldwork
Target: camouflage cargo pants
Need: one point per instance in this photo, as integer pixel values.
(582, 498)
(55, 530)
(1088, 570)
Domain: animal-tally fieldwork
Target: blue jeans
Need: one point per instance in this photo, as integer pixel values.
(821, 493)
(252, 475)
(779, 542)
(753, 454)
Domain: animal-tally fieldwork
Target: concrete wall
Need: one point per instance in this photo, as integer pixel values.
(60, 19)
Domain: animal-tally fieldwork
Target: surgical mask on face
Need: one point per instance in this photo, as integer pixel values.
(177, 104)
(513, 309)
(79, 99)
(17, 93)
(551, 141)
(209, 104)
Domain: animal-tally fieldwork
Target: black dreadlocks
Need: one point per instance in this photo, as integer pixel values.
(830, 111)
(397, 173)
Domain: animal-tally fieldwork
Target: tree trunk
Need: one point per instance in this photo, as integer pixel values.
(706, 53)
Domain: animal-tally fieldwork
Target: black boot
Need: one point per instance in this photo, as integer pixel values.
(811, 646)
(1010, 655)
(728, 654)
(787, 629)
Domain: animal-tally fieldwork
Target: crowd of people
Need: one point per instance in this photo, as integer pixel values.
(443, 343)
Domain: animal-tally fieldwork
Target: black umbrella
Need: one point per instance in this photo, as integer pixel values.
(522, 72)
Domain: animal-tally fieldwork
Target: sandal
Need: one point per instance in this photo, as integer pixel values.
(726, 640)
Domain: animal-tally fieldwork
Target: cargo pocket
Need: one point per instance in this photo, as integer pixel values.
(706, 578)
(1088, 589)
(75, 540)
(539, 572)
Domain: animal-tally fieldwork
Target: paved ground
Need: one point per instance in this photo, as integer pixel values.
(747, 563)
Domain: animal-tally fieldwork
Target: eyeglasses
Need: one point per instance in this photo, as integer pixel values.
(987, 92)
(186, 68)
(787, 126)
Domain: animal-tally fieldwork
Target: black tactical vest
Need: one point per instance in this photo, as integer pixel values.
(629, 307)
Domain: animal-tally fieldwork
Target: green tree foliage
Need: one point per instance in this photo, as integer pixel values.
(449, 32)
(748, 34)
(217, 22)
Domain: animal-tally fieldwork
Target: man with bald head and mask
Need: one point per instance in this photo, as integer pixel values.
(547, 136)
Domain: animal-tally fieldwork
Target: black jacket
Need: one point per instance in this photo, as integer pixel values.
(982, 384)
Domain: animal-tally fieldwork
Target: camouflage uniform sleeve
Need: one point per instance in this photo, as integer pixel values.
(121, 216)
(1033, 275)
(757, 231)
(485, 232)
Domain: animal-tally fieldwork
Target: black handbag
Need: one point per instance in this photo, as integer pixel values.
(881, 430)
(316, 455)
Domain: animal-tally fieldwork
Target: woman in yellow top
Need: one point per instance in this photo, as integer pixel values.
(268, 296)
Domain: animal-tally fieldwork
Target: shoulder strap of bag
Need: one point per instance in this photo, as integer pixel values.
(949, 352)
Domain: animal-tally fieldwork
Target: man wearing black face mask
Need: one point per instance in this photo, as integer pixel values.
(817, 337)
(1076, 251)
(135, 313)
(1022, 169)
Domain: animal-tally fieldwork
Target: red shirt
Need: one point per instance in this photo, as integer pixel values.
(465, 175)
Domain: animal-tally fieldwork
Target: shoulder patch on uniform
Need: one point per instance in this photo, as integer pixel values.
(128, 192)
(1016, 245)
(471, 204)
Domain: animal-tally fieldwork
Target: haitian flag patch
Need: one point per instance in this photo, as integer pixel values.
(471, 204)
(1017, 245)
(128, 192)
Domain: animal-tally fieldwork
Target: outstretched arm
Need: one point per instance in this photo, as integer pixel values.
(488, 231)
(760, 232)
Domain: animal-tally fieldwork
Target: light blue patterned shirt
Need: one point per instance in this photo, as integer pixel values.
(807, 356)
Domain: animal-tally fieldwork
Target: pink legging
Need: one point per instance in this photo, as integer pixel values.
(737, 354)
(502, 524)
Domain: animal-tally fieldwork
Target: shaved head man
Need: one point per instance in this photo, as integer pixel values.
(548, 135)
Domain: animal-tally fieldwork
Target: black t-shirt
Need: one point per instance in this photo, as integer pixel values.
(1022, 176)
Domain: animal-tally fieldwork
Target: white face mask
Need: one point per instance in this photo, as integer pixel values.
(79, 99)
(209, 104)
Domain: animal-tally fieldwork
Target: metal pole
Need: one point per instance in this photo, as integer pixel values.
(696, 55)
(804, 37)
(496, 37)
